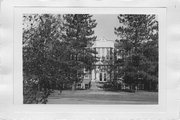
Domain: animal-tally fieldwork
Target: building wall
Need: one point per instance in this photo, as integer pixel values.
(105, 54)
(101, 71)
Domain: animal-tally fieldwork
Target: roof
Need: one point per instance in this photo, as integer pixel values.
(103, 43)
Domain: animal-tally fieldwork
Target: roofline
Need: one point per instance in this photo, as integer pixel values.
(105, 40)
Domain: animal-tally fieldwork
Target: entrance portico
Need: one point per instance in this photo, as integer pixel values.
(101, 74)
(105, 54)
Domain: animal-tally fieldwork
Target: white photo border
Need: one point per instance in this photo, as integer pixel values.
(167, 107)
(160, 12)
(19, 11)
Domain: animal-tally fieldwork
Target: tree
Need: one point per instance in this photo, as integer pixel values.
(79, 37)
(138, 42)
(43, 49)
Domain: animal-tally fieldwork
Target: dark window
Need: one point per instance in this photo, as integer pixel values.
(104, 76)
(100, 77)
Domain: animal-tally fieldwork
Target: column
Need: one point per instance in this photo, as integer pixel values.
(93, 75)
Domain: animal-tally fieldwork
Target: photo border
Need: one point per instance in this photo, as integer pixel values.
(166, 110)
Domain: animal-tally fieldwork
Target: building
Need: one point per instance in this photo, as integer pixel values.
(105, 54)
(102, 69)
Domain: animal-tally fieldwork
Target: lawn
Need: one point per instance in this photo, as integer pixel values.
(102, 97)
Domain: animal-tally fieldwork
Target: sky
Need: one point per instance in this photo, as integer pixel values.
(105, 26)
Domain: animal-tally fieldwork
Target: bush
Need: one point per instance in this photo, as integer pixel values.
(31, 95)
(111, 86)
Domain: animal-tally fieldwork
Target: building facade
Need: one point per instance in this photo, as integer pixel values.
(102, 68)
(105, 55)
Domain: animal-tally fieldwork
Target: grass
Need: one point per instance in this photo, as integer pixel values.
(102, 97)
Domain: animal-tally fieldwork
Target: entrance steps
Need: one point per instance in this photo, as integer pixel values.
(95, 86)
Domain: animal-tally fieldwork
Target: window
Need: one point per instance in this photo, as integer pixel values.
(104, 76)
(100, 76)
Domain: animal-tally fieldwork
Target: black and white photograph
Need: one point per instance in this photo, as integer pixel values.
(93, 59)
(90, 58)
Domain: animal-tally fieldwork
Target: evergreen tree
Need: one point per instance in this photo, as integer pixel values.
(43, 49)
(79, 36)
(138, 47)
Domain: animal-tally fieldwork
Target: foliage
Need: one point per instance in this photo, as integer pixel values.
(79, 39)
(56, 48)
(31, 93)
(138, 48)
(111, 86)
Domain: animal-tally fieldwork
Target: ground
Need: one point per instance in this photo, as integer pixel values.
(102, 97)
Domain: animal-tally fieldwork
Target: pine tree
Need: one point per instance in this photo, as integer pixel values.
(43, 49)
(138, 42)
(79, 36)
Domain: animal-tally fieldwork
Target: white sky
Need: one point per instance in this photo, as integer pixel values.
(105, 26)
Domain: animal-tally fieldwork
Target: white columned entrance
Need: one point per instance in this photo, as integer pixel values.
(93, 76)
(102, 77)
(99, 75)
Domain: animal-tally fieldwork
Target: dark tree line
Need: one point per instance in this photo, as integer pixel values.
(56, 49)
(138, 47)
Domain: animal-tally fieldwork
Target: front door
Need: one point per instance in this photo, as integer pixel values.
(102, 76)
